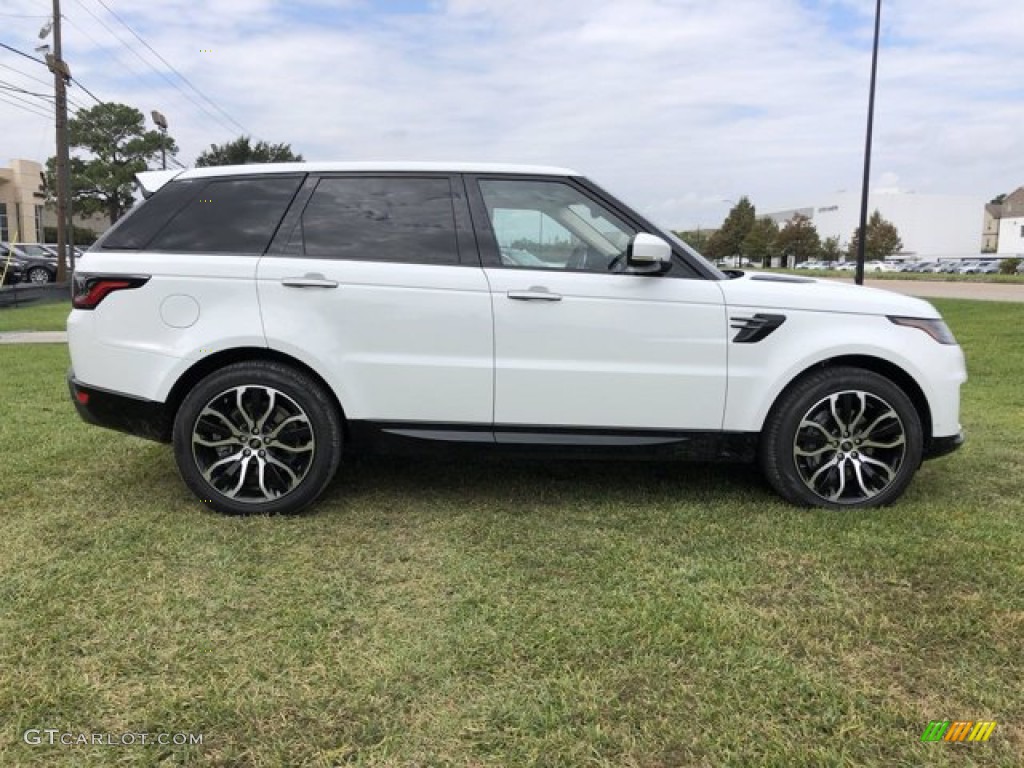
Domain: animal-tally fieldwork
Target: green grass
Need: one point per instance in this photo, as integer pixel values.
(490, 614)
(35, 317)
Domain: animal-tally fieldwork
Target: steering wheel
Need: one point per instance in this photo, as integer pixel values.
(616, 262)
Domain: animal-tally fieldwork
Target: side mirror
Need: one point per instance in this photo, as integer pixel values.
(648, 253)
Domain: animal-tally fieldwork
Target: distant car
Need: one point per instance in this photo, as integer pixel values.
(879, 266)
(845, 266)
(990, 267)
(12, 266)
(36, 269)
(1020, 268)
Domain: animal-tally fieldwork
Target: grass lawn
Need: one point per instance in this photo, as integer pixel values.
(35, 317)
(439, 614)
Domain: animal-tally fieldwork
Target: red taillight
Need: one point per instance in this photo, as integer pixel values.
(82, 397)
(90, 290)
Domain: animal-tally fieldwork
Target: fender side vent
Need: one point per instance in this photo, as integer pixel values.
(754, 329)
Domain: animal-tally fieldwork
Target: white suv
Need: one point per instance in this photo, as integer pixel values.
(269, 319)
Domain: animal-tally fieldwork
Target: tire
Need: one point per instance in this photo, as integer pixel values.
(38, 276)
(280, 469)
(842, 438)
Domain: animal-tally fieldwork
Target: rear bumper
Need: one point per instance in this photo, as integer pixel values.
(113, 410)
(941, 446)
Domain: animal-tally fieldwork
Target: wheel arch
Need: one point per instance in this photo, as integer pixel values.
(882, 367)
(202, 368)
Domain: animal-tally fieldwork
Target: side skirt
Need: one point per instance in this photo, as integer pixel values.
(417, 438)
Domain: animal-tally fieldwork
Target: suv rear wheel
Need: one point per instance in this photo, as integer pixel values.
(257, 437)
(842, 438)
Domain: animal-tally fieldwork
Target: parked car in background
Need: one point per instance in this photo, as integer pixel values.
(12, 266)
(40, 261)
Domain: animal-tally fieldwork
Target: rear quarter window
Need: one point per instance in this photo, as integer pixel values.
(235, 215)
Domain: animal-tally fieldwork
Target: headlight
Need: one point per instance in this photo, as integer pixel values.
(936, 328)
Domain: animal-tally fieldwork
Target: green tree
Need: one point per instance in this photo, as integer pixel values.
(695, 238)
(798, 241)
(117, 146)
(883, 239)
(728, 241)
(998, 199)
(760, 243)
(830, 250)
(242, 151)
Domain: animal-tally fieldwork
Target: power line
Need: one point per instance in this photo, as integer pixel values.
(22, 53)
(32, 110)
(77, 82)
(26, 74)
(191, 99)
(12, 87)
(175, 71)
(95, 98)
(35, 104)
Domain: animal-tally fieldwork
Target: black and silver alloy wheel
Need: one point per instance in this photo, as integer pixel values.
(849, 447)
(253, 443)
(257, 437)
(38, 275)
(842, 438)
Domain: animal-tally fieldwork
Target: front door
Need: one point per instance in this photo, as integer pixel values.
(580, 342)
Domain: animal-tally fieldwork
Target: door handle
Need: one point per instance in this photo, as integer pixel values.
(309, 280)
(534, 293)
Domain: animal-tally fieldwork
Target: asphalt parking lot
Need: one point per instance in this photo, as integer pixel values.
(950, 290)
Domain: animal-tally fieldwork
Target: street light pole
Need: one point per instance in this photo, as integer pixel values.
(161, 123)
(862, 238)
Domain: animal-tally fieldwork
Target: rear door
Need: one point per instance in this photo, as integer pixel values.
(374, 280)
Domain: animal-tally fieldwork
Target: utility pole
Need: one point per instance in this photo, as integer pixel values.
(61, 75)
(862, 240)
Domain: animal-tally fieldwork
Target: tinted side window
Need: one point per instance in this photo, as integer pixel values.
(137, 227)
(395, 219)
(229, 216)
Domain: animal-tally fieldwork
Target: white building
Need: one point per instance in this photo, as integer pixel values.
(1011, 225)
(930, 226)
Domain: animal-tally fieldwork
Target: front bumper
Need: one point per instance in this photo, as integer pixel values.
(113, 410)
(942, 446)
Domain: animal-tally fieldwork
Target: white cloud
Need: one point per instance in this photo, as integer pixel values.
(677, 105)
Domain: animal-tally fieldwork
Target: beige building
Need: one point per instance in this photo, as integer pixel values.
(23, 212)
(21, 202)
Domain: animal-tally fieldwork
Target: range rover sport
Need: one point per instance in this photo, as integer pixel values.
(266, 320)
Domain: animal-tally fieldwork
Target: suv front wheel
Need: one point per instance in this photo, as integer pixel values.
(257, 437)
(842, 438)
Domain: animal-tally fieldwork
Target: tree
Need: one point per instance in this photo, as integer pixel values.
(798, 241)
(115, 136)
(883, 239)
(695, 238)
(760, 242)
(830, 250)
(728, 241)
(242, 152)
(998, 199)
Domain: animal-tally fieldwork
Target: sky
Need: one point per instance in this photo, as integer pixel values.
(677, 106)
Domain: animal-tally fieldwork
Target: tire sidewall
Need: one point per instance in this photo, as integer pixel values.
(308, 394)
(777, 456)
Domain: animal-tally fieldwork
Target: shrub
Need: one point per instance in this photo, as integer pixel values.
(1009, 266)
